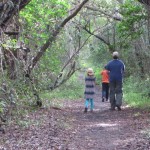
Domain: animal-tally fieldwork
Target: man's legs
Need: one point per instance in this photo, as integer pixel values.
(119, 95)
(112, 95)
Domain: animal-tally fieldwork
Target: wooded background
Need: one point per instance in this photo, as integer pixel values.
(43, 43)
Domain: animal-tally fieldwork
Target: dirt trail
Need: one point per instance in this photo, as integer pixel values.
(108, 130)
(71, 129)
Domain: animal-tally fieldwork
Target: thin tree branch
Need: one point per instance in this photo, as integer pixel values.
(53, 36)
(97, 36)
(104, 13)
(66, 64)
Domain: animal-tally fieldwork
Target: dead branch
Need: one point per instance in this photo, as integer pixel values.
(72, 69)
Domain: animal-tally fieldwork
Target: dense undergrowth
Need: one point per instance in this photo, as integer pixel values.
(137, 92)
(71, 90)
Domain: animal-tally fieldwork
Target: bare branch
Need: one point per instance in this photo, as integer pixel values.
(97, 36)
(72, 70)
(105, 13)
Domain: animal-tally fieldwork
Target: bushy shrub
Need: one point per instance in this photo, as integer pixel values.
(137, 91)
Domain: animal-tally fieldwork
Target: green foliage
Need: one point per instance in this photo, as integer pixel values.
(52, 60)
(136, 100)
(71, 90)
(133, 17)
(39, 16)
(99, 55)
(137, 92)
(98, 76)
(9, 43)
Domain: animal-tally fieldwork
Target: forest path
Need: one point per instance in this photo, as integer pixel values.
(108, 130)
(69, 128)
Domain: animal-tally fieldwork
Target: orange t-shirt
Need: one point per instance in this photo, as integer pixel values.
(105, 76)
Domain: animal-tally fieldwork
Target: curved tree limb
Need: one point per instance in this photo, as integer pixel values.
(72, 70)
(97, 36)
(110, 46)
(53, 35)
(118, 18)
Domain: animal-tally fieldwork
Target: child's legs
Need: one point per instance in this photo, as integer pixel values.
(86, 103)
(107, 91)
(92, 104)
(103, 90)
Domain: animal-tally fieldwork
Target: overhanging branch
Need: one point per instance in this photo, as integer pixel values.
(53, 36)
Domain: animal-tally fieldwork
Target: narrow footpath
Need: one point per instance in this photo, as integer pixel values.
(69, 128)
(109, 130)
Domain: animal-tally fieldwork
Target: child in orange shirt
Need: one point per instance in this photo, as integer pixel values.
(105, 84)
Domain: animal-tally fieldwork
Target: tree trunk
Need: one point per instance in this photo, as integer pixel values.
(8, 9)
(139, 58)
(9, 56)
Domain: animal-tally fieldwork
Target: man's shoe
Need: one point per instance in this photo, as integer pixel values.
(85, 110)
(119, 108)
(103, 99)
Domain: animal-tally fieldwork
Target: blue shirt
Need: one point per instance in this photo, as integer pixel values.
(116, 68)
